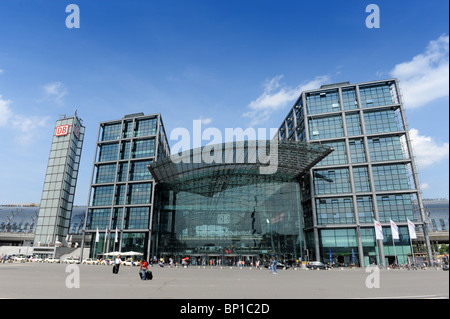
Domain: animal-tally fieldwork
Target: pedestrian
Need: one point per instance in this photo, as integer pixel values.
(117, 263)
(274, 271)
(144, 269)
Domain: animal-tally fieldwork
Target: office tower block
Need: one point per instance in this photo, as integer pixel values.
(60, 183)
(370, 175)
(120, 207)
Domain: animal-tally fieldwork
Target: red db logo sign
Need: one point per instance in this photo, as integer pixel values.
(62, 130)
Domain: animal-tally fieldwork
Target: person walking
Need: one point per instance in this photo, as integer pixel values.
(274, 266)
(144, 269)
(116, 266)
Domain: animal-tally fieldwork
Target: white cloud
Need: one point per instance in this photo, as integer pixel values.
(424, 186)
(55, 91)
(426, 150)
(26, 125)
(426, 77)
(276, 97)
(1, 71)
(5, 111)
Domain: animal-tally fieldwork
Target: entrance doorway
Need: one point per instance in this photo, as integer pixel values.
(390, 260)
(249, 260)
(230, 260)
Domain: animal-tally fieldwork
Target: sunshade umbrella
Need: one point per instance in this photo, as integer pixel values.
(131, 253)
(113, 253)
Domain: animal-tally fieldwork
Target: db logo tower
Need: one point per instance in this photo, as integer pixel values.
(62, 130)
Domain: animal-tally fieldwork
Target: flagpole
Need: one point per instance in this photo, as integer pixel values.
(395, 253)
(395, 235)
(97, 238)
(379, 240)
(412, 233)
(412, 250)
(105, 245)
(115, 239)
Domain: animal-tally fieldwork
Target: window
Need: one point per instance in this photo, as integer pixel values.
(139, 171)
(122, 172)
(340, 239)
(390, 177)
(385, 148)
(143, 148)
(111, 131)
(139, 193)
(99, 218)
(375, 95)
(128, 129)
(338, 156)
(361, 179)
(322, 102)
(102, 195)
(326, 127)
(105, 173)
(349, 99)
(332, 182)
(108, 152)
(365, 209)
(137, 218)
(145, 127)
(353, 124)
(395, 207)
(125, 150)
(381, 122)
(120, 194)
(357, 151)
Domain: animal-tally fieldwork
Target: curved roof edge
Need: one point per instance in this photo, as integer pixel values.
(282, 158)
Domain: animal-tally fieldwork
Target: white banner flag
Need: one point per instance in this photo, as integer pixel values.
(97, 236)
(412, 230)
(394, 230)
(378, 230)
(116, 238)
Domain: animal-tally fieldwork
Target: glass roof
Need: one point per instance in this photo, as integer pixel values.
(272, 159)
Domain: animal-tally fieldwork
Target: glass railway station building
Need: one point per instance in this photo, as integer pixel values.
(343, 159)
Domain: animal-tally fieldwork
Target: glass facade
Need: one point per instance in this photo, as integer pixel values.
(226, 213)
(241, 222)
(437, 214)
(122, 187)
(371, 174)
(55, 210)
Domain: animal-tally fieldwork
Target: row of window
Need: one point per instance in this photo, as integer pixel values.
(385, 178)
(375, 122)
(340, 245)
(134, 218)
(130, 241)
(328, 101)
(118, 195)
(142, 127)
(133, 171)
(383, 148)
(342, 210)
(139, 149)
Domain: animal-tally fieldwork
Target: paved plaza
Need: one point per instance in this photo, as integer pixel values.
(51, 281)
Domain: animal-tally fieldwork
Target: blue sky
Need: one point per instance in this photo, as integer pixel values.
(230, 63)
